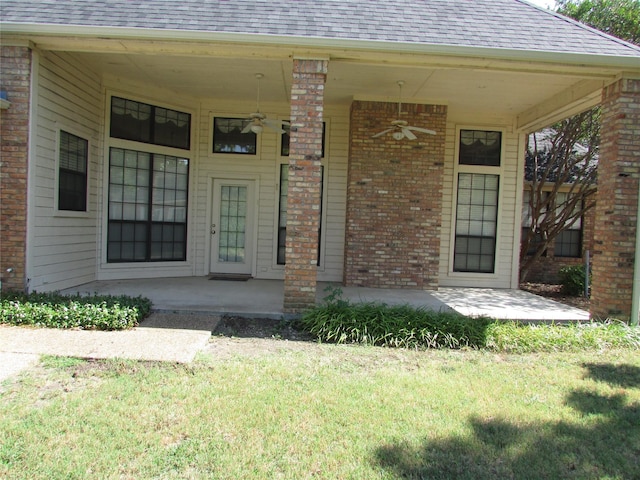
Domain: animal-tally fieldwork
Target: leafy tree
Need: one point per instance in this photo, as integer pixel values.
(566, 159)
(620, 18)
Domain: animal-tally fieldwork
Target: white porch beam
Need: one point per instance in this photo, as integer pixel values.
(579, 98)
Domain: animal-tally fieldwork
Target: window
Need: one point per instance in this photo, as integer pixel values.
(479, 147)
(282, 217)
(476, 223)
(147, 207)
(140, 122)
(228, 136)
(286, 140)
(72, 172)
(569, 242)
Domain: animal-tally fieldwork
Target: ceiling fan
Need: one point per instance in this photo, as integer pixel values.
(401, 128)
(257, 120)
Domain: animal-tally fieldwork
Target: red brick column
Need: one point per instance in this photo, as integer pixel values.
(15, 79)
(394, 198)
(617, 201)
(305, 180)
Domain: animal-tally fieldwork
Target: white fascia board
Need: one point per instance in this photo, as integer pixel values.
(630, 62)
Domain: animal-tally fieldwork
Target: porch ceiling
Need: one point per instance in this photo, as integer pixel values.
(486, 91)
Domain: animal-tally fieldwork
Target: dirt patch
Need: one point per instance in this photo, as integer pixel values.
(254, 337)
(260, 328)
(554, 292)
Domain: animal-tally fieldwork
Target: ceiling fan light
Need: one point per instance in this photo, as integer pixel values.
(398, 135)
(256, 129)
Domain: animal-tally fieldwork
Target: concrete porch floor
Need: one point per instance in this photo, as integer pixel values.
(263, 298)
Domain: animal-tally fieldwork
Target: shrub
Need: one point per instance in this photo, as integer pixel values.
(338, 321)
(100, 312)
(572, 279)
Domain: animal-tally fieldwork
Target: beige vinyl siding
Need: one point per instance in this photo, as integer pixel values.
(335, 198)
(62, 245)
(264, 169)
(508, 215)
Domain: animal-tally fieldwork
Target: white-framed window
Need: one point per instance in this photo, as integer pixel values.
(230, 135)
(148, 182)
(72, 172)
(478, 192)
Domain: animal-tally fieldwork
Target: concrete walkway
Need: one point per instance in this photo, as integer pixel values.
(155, 339)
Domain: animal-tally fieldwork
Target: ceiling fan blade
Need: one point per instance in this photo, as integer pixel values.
(408, 133)
(382, 133)
(274, 125)
(247, 129)
(423, 130)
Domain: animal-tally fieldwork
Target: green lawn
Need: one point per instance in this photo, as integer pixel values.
(332, 412)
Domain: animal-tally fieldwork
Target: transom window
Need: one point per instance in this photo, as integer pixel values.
(479, 147)
(141, 122)
(228, 136)
(72, 172)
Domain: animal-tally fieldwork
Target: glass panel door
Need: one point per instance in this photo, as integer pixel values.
(231, 227)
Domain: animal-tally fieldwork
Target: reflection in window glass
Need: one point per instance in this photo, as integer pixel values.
(72, 172)
(476, 223)
(147, 207)
(479, 147)
(141, 122)
(228, 136)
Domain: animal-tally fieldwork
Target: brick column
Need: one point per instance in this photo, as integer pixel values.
(394, 198)
(305, 180)
(617, 201)
(15, 79)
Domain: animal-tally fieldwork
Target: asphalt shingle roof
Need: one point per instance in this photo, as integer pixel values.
(503, 24)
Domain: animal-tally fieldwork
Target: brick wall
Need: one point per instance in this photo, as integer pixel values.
(15, 76)
(546, 269)
(394, 198)
(305, 180)
(617, 200)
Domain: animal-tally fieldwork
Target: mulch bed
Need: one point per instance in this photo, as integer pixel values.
(554, 292)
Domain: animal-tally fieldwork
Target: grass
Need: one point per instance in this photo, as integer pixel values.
(330, 411)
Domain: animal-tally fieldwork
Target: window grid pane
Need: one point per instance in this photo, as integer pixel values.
(569, 243)
(141, 122)
(476, 223)
(72, 173)
(233, 210)
(479, 147)
(146, 224)
(228, 136)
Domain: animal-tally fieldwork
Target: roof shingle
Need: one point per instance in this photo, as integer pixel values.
(501, 24)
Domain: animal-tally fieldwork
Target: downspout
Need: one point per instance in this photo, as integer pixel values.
(635, 299)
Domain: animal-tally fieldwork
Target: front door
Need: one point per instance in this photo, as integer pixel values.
(232, 226)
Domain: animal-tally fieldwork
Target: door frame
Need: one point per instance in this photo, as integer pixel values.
(209, 215)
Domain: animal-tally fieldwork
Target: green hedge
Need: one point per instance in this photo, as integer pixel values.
(393, 326)
(339, 321)
(54, 310)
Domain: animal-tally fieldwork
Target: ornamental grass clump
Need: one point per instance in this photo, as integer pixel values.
(338, 321)
(513, 337)
(53, 310)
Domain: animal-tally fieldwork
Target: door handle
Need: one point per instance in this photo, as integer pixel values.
(213, 229)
